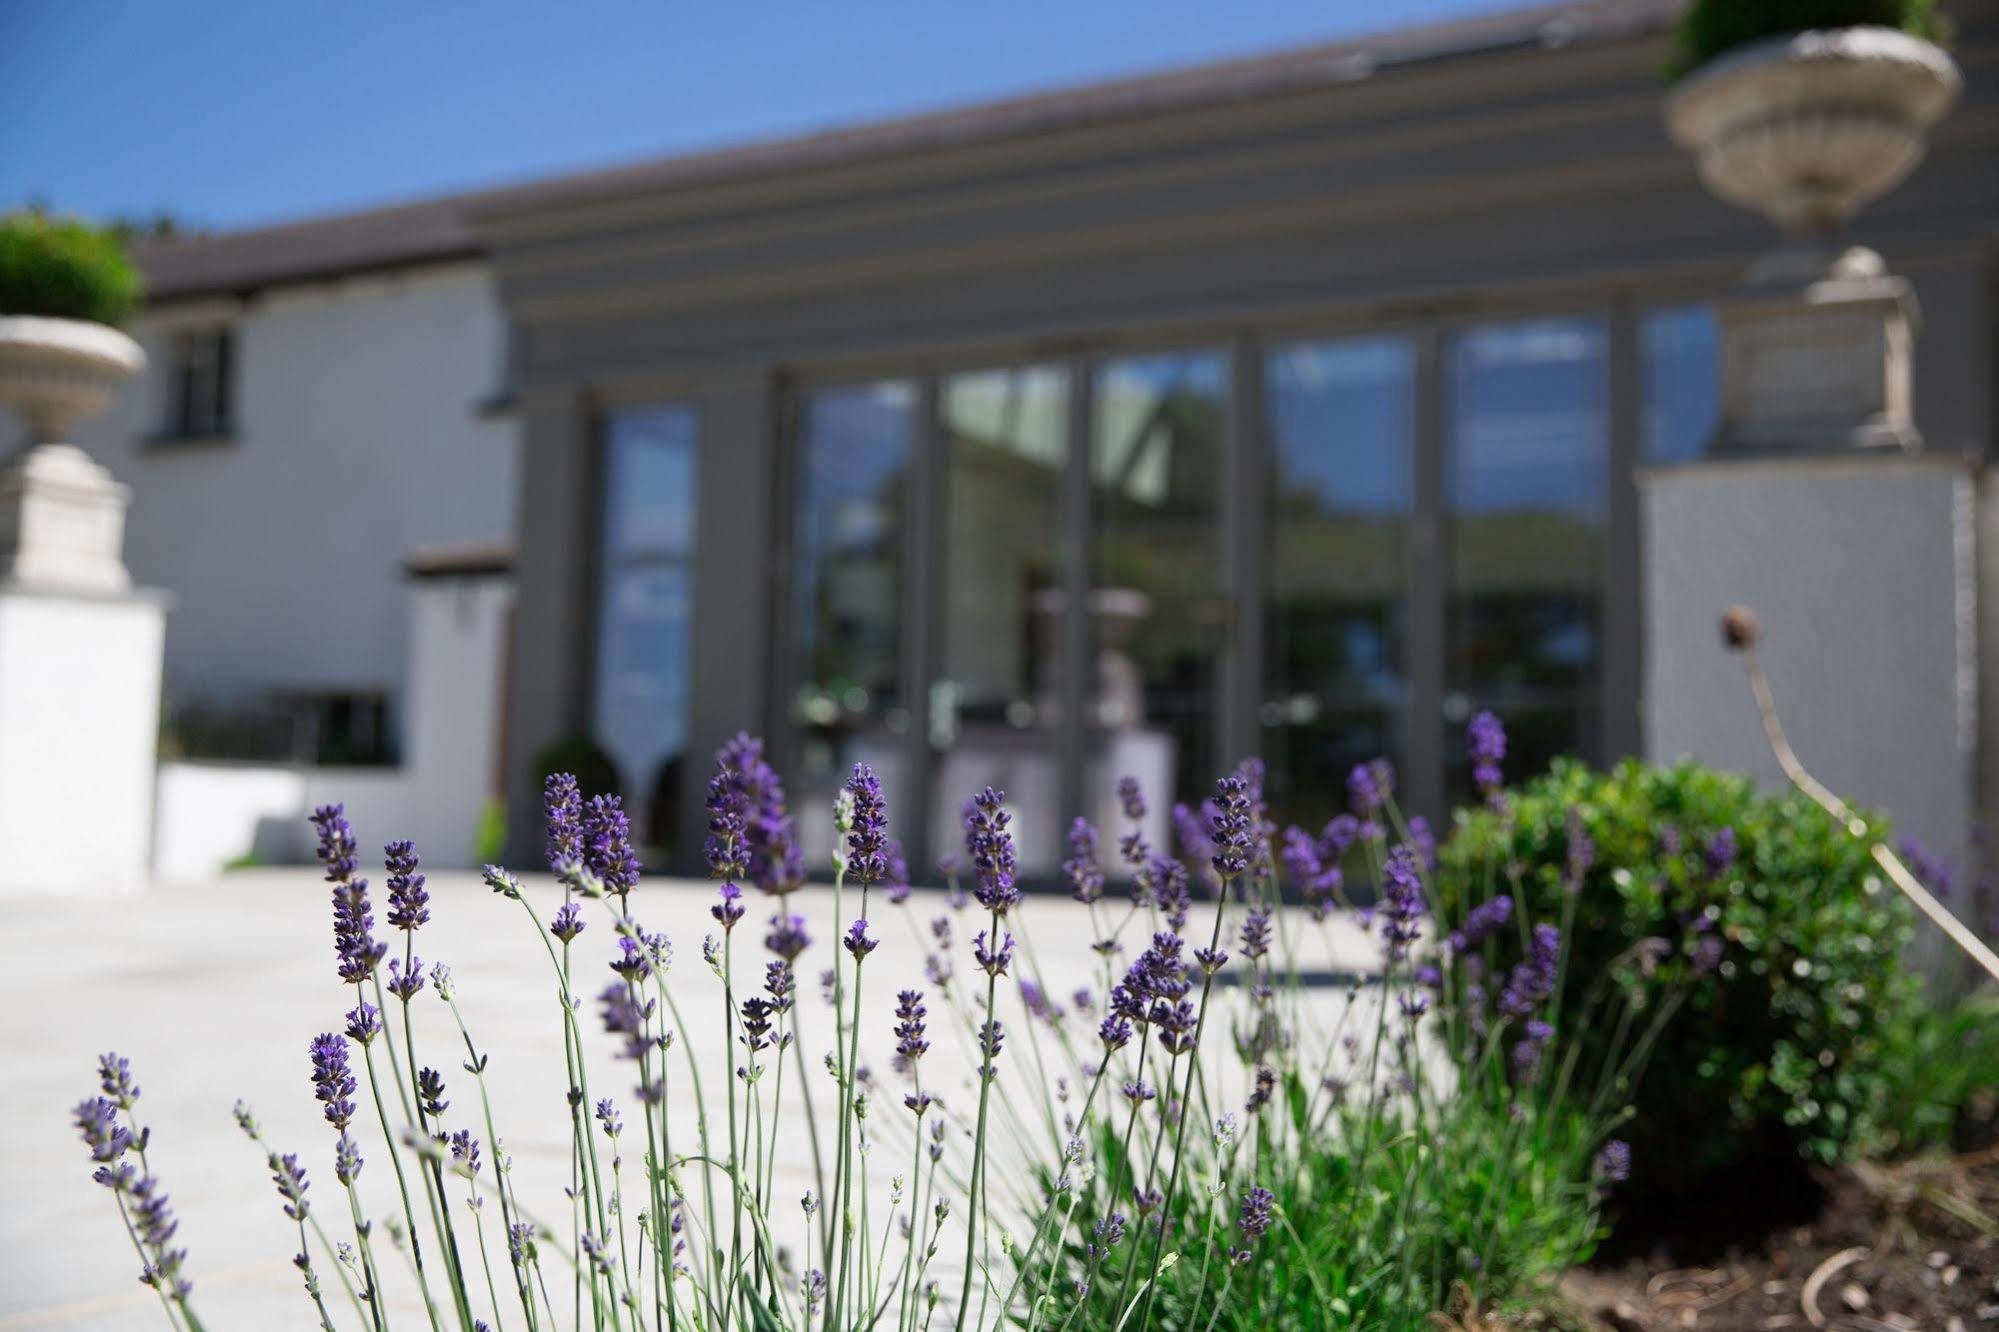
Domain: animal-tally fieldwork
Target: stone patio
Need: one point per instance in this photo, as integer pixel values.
(214, 991)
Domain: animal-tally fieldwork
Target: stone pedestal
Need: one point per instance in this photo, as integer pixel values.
(1863, 572)
(79, 648)
(79, 729)
(1817, 354)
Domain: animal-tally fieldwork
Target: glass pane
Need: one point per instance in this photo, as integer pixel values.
(1158, 619)
(994, 711)
(1336, 678)
(1526, 492)
(854, 450)
(1680, 388)
(644, 624)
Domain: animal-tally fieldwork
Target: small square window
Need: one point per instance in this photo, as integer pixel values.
(200, 384)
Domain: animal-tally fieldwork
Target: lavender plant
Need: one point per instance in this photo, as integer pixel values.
(1128, 1142)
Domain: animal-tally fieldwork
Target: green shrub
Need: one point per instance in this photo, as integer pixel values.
(1788, 1044)
(1943, 1078)
(596, 772)
(1710, 27)
(64, 269)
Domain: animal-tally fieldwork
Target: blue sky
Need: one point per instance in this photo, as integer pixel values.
(234, 112)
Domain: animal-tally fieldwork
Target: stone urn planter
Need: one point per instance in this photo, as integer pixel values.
(1806, 128)
(56, 372)
(62, 516)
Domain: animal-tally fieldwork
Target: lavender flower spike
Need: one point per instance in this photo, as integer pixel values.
(409, 900)
(1231, 828)
(562, 813)
(332, 1079)
(989, 844)
(1485, 745)
(867, 841)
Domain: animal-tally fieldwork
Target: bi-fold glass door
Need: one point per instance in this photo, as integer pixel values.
(1044, 577)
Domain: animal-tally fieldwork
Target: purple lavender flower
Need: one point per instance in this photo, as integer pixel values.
(1231, 829)
(1707, 954)
(1338, 837)
(989, 846)
(608, 1117)
(346, 1160)
(1131, 798)
(1526, 1056)
(97, 1120)
(1719, 854)
(1613, 1163)
(404, 984)
(991, 1036)
(787, 937)
(1254, 1219)
(1369, 786)
(1481, 921)
(607, 845)
(625, 1016)
(992, 960)
(153, 1221)
(895, 884)
(562, 815)
(354, 944)
(1085, 873)
(1532, 982)
(757, 1013)
(337, 848)
(465, 1152)
(1424, 841)
(289, 1176)
(1256, 931)
(1401, 902)
(727, 847)
(867, 840)
(1930, 871)
(1107, 1233)
(364, 1023)
(776, 861)
(857, 941)
(567, 922)
(780, 984)
(430, 1092)
(1485, 745)
(634, 960)
(332, 1079)
(1114, 1031)
(409, 900)
(729, 908)
(910, 1042)
(1581, 853)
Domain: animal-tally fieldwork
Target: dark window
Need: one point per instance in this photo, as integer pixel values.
(202, 388)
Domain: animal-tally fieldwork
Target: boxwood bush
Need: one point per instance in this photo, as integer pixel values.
(65, 269)
(1710, 27)
(1785, 1048)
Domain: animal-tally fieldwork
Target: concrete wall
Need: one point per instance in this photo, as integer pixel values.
(1863, 573)
(358, 437)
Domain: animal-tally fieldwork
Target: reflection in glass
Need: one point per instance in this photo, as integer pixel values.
(847, 704)
(1157, 614)
(645, 615)
(994, 709)
(1526, 495)
(1679, 390)
(1336, 680)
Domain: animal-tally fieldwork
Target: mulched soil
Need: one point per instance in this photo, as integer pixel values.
(1906, 1248)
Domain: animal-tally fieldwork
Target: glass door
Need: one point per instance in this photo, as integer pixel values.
(1157, 609)
(994, 716)
(645, 610)
(849, 700)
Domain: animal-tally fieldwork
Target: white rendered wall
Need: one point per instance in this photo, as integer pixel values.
(1862, 571)
(79, 721)
(210, 814)
(358, 438)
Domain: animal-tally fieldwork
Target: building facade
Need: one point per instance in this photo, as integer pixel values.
(1296, 406)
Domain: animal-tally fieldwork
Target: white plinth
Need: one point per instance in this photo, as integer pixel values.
(1862, 570)
(79, 725)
